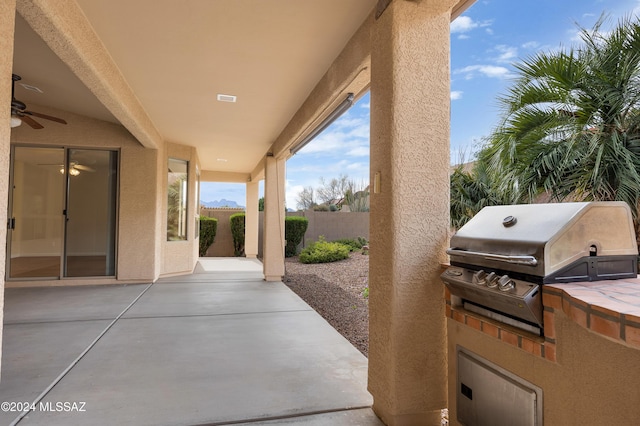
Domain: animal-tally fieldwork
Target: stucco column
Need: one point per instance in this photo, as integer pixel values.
(251, 221)
(274, 196)
(409, 211)
(7, 24)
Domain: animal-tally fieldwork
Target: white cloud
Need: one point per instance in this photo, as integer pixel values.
(291, 194)
(506, 53)
(358, 167)
(342, 149)
(574, 35)
(463, 24)
(531, 45)
(348, 134)
(359, 151)
(491, 71)
(463, 37)
(456, 94)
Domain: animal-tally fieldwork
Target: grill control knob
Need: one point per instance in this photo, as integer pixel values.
(505, 283)
(454, 272)
(479, 278)
(492, 280)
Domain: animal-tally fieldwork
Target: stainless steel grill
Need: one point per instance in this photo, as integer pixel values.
(502, 256)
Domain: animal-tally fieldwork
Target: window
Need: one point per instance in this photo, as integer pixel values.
(197, 227)
(178, 179)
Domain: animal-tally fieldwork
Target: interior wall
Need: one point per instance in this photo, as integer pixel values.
(90, 208)
(137, 237)
(41, 234)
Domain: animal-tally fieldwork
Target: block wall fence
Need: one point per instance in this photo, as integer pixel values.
(333, 225)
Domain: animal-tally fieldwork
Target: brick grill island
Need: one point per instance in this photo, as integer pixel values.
(610, 311)
(584, 364)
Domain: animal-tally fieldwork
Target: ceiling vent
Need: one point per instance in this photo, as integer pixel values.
(226, 98)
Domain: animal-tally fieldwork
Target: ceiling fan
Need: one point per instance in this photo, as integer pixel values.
(74, 168)
(19, 112)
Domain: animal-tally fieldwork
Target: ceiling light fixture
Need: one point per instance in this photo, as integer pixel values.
(226, 98)
(72, 171)
(340, 109)
(15, 121)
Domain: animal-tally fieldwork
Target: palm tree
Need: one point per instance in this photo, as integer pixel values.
(571, 123)
(473, 190)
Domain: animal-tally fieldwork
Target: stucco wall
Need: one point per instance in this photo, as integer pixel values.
(7, 14)
(137, 212)
(334, 225)
(410, 102)
(223, 244)
(595, 381)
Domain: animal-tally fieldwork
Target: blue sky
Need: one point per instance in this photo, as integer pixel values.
(485, 42)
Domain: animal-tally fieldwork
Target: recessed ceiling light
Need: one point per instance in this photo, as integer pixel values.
(222, 160)
(32, 88)
(226, 98)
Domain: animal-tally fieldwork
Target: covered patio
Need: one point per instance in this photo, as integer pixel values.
(158, 96)
(216, 347)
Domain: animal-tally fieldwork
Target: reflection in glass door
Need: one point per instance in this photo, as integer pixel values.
(35, 217)
(62, 218)
(91, 213)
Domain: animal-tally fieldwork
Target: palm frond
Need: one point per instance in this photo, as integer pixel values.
(571, 121)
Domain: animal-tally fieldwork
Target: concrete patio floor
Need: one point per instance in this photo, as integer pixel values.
(217, 347)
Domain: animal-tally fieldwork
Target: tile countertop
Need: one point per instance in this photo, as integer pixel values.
(619, 296)
(610, 308)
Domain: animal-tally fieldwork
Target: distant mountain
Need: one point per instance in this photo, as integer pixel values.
(221, 203)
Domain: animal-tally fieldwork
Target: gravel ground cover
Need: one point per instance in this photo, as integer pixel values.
(335, 291)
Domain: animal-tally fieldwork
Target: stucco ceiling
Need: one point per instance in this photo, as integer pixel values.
(177, 56)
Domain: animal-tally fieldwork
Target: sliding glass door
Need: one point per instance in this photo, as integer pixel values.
(62, 213)
(91, 213)
(35, 216)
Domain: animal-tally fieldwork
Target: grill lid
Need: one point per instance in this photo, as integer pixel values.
(541, 239)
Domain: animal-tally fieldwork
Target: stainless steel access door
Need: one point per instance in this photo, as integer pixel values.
(488, 395)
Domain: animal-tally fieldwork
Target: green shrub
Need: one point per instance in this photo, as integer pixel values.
(294, 229)
(208, 229)
(237, 230)
(352, 244)
(321, 208)
(323, 252)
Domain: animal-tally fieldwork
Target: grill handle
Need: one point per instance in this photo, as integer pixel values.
(521, 260)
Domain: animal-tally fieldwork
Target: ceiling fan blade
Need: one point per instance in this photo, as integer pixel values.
(45, 116)
(31, 122)
(84, 168)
